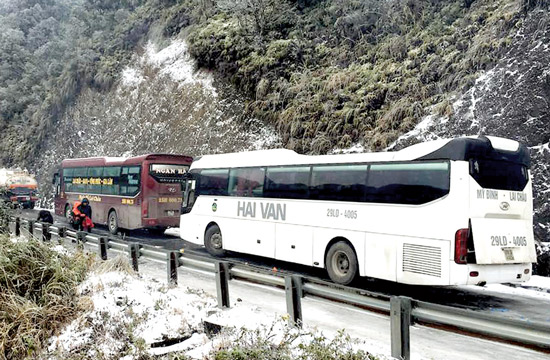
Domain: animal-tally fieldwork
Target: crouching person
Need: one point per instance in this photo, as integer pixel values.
(82, 214)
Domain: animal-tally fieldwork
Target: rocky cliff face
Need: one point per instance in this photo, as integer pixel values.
(160, 105)
(511, 100)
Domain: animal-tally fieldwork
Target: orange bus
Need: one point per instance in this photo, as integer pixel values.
(124, 193)
(20, 188)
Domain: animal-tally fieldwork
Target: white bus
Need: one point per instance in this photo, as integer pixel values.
(446, 212)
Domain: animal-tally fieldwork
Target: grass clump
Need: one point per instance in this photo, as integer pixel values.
(5, 207)
(38, 294)
(287, 343)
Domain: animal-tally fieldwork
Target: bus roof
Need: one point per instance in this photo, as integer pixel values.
(114, 161)
(462, 148)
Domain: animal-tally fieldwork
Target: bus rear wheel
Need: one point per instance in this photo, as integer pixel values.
(213, 241)
(341, 263)
(113, 222)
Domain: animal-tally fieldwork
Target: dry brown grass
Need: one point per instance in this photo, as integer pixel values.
(38, 294)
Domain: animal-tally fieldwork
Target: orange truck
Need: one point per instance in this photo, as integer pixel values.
(19, 188)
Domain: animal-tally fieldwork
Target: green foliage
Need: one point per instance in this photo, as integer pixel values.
(344, 71)
(38, 294)
(51, 51)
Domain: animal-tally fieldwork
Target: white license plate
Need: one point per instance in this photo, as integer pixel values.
(170, 213)
(508, 254)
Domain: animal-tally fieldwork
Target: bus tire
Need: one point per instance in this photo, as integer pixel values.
(341, 263)
(31, 205)
(213, 241)
(112, 222)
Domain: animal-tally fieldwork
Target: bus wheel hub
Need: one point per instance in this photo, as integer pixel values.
(342, 262)
(216, 241)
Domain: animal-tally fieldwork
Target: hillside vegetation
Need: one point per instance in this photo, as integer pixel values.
(333, 73)
(326, 73)
(49, 52)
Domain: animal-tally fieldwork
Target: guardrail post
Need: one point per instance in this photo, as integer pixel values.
(14, 226)
(293, 290)
(38, 231)
(103, 247)
(56, 233)
(80, 239)
(222, 283)
(29, 228)
(46, 232)
(172, 267)
(134, 255)
(400, 317)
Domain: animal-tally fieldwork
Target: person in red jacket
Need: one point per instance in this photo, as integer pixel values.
(82, 212)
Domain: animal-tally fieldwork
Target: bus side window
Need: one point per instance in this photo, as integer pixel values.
(411, 183)
(287, 182)
(68, 175)
(110, 181)
(130, 180)
(80, 179)
(248, 182)
(95, 175)
(212, 182)
(345, 182)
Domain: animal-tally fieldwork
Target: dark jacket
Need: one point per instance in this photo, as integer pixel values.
(45, 217)
(85, 209)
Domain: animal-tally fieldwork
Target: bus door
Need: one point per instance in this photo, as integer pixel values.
(59, 199)
(188, 190)
(500, 213)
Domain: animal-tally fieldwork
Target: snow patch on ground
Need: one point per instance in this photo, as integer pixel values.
(129, 309)
(536, 287)
(354, 149)
(125, 303)
(176, 62)
(423, 131)
(541, 148)
(131, 77)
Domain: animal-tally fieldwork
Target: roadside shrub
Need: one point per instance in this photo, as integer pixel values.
(288, 344)
(38, 294)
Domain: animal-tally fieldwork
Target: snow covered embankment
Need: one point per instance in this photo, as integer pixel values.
(161, 104)
(136, 317)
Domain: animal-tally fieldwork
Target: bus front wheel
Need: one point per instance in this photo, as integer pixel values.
(341, 263)
(113, 222)
(213, 241)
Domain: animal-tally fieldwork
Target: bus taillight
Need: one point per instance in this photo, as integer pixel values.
(145, 208)
(461, 246)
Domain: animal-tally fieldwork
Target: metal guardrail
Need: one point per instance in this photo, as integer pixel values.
(402, 310)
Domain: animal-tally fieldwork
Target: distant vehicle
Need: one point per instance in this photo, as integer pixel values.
(20, 188)
(124, 193)
(446, 212)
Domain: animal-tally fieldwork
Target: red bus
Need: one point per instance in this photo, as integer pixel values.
(124, 193)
